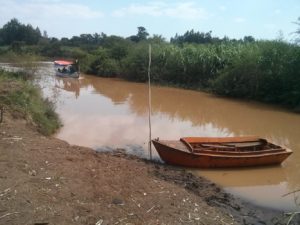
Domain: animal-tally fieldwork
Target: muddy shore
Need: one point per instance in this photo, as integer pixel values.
(44, 180)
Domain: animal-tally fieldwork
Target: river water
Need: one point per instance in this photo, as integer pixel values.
(105, 114)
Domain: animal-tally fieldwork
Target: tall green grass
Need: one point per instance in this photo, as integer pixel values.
(267, 71)
(22, 98)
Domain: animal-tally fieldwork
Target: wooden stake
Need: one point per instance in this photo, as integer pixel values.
(149, 101)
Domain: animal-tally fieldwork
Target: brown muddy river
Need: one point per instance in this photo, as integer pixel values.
(108, 113)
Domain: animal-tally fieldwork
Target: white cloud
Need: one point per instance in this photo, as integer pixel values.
(239, 20)
(152, 9)
(270, 26)
(222, 8)
(58, 17)
(45, 10)
(277, 11)
(181, 10)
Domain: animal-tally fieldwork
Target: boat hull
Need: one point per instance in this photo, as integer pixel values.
(178, 157)
(72, 75)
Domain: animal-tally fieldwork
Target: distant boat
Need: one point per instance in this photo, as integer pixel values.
(65, 68)
(221, 152)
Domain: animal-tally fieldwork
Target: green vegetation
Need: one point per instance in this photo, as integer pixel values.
(14, 33)
(21, 98)
(267, 71)
(297, 32)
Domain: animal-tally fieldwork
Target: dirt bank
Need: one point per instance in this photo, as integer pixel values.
(44, 180)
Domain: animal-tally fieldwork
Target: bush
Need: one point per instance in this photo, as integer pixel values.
(101, 64)
(135, 65)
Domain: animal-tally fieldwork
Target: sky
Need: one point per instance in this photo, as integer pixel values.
(262, 19)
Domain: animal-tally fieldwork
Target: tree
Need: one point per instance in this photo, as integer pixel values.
(157, 39)
(117, 47)
(142, 33)
(11, 32)
(52, 49)
(14, 31)
(194, 37)
(31, 36)
(140, 36)
(297, 32)
(249, 39)
(45, 34)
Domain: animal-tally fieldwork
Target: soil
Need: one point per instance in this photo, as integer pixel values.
(44, 180)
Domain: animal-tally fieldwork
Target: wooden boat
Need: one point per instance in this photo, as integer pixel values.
(222, 152)
(65, 68)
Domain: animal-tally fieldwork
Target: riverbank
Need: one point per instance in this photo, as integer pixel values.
(47, 181)
(20, 97)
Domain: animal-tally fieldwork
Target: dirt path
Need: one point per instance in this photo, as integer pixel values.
(47, 181)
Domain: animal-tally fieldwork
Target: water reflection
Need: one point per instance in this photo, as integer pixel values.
(107, 113)
(199, 108)
(266, 186)
(233, 178)
(68, 84)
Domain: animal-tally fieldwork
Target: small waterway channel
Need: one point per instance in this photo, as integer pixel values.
(105, 114)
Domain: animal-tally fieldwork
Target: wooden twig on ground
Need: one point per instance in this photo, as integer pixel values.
(1, 113)
(150, 209)
(292, 192)
(292, 216)
(8, 214)
(13, 138)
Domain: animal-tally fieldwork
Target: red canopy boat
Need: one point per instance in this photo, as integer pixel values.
(64, 68)
(63, 63)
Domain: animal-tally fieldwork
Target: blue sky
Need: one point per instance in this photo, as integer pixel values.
(263, 19)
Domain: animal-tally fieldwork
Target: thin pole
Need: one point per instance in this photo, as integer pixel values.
(149, 101)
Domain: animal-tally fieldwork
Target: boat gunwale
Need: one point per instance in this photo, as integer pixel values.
(194, 140)
(238, 155)
(254, 152)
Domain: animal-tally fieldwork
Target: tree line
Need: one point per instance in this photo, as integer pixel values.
(14, 31)
(263, 70)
